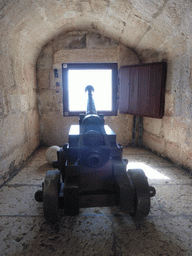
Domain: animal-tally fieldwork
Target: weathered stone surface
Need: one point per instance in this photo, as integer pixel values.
(174, 130)
(154, 30)
(56, 128)
(86, 56)
(155, 143)
(43, 79)
(153, 126)
(169, 104)
(96, 41)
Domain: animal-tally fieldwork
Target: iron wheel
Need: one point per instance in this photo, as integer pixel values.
(51, 196)
(142, 193)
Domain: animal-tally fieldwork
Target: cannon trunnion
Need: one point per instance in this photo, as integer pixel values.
(92, 173)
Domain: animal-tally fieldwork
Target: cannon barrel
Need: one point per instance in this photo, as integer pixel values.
(90, 101)
(95, 149)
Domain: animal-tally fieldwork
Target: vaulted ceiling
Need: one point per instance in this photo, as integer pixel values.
(148, 27)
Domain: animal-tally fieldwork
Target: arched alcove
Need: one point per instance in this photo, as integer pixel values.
(76, 47)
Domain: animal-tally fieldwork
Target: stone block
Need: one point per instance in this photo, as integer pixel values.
(70, 41)
(32, 123)
(186, 105)
(45, 58)
(180, 73)
(86, 56)
(33, 143)
(29, 71)
(176, 45)
(120, 9)
(169, 104)
(154, 142)
(12, 132)
(163, 21)
(49, 101)
(32, 98)
(173, 152)
(126, 56)
(15, 154)
(18, 82)
(134, 30)
(152, 125)
(7, 73)
(147, 9)
(187, 159)
(57, 66)
(122, 126)
(6, 162)
(151, 40)
(99, 8)
(174, 130)
(55, 128)
(24, 104)
(14, 103)
(43, 78)
(188, 142)
(95, 41)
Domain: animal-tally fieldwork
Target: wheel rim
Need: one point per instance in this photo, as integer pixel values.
(51, 196)
(142, 193)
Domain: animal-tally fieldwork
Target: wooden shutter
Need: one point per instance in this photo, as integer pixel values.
(142, 89)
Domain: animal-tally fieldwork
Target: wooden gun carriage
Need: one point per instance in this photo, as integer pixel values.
(92, 173)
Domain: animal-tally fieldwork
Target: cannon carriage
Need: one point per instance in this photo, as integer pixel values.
(92, 173)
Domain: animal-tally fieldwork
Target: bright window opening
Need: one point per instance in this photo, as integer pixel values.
(102, 76)
(100, 79)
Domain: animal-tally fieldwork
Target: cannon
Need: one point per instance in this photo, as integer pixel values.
(92, 173)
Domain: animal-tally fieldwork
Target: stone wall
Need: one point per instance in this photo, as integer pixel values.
(19, 117)
(171, 136)
(76, 47)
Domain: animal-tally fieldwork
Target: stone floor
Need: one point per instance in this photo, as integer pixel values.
(167, 230)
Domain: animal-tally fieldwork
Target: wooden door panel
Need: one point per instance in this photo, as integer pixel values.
(142, 89)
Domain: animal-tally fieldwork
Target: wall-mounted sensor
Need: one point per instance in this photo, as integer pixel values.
(56, 73)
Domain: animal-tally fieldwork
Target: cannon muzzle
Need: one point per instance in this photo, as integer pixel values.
(90, 101)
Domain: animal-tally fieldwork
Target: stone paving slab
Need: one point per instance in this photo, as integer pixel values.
(172, 175)
(115, 234)
(163, 175)
(153, 236)
(19, 200)
(17, 232)
(38, 158)
(31, 175)
(150, 160)
(175, 199)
